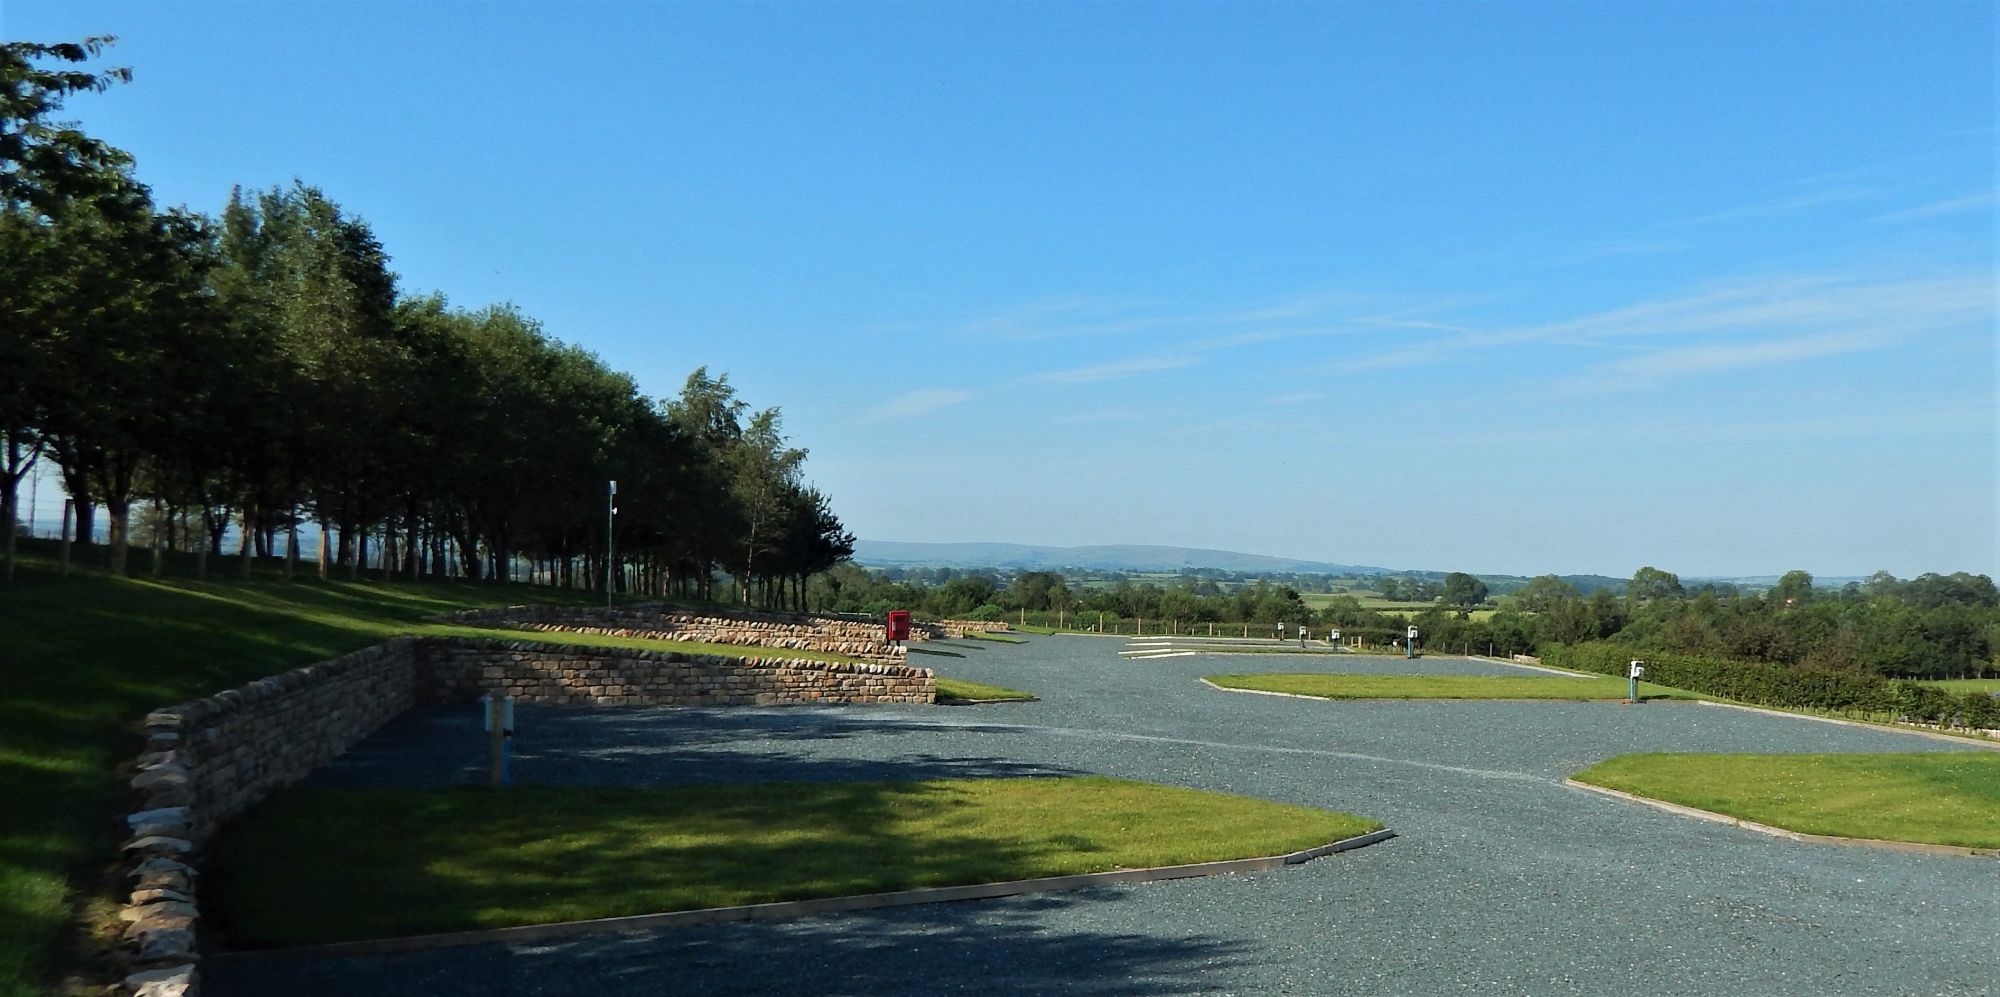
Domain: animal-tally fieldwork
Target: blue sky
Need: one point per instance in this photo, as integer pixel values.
(1494, 287)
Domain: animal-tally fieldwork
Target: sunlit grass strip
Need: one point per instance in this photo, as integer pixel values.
(948, 688)
(997, 637)
(335, 865)
(1941, 798)
(1443, 687)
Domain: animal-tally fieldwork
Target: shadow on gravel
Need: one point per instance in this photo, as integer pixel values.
(991, 947)
(644, 746)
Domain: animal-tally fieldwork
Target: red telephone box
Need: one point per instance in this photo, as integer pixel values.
(899, 624)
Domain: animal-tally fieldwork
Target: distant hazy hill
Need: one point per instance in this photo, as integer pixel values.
(1122, 557)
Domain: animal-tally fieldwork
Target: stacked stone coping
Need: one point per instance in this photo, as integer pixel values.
(653, 621)
(455, 670)
(209, 760)
(959, 628)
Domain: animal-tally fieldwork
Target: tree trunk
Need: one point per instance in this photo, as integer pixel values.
(121, 522)
(412, 561)
(214, 527)
(10, 498)
(159, 527)
(246, 545)
(201, 551)
(292, 542)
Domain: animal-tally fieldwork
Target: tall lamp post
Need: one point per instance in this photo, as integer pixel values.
(610, 547)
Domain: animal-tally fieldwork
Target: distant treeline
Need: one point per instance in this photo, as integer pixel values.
(263, 369)
(1933, 626)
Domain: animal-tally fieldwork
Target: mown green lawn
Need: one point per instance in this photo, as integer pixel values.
(993, 636)
(1444, 687)
(399, 862)
(950, 688)
(84, 658)
(1940, 797)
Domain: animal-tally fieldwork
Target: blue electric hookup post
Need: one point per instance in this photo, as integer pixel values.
(1411, 652)
(1632, 676)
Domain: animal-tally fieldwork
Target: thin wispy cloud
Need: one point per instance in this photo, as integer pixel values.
(1796, 202)
(1952, 206)
(1732, 356)
(1116, 369)
(1765, 321)
(922, 401)
(1612, 250)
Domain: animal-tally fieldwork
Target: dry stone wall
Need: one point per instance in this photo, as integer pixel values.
(959, 628)
(459, 670)
(208, 761)
(789, 631)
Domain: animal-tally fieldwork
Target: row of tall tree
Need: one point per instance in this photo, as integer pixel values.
(262, 370)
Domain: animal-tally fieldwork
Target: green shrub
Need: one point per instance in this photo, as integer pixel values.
(1785, 686)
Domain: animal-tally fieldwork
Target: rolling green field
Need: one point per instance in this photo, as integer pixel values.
(1967, 685)
(464, 858)
(1946, 798)
(1443, 687)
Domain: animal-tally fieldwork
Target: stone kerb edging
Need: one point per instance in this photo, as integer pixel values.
(197, 770)
(536, 933)
(1922, 847)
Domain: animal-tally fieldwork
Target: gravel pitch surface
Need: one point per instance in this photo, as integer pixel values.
(1502, 881)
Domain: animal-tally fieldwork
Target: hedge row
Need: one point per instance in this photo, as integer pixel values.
(1786, 686)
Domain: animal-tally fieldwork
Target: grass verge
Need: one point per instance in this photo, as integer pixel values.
(997, 637)
(400, 862)
(979, 692)
(1940, 797)
(1443, 687)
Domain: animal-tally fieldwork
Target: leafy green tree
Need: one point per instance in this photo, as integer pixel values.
(1461, 589)
(1795, 588)
(1544, 592)
(48, 167)
(1649, 583)
(1037, 591)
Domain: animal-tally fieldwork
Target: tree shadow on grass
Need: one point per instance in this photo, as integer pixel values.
(1012, 946)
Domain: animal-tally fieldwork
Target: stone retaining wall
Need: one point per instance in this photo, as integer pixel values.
(791, 631)
(209, 760)
(959, 628)
(458, 670)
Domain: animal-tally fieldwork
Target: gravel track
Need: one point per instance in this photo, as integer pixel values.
(1502, 880)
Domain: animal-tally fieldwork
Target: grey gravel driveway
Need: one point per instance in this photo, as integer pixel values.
(1502, 881)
